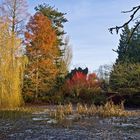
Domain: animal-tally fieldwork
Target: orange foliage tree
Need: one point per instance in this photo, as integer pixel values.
(42, 51)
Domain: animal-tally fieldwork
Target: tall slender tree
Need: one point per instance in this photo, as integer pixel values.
(122, 50)
(42, 49)
(57, 18)
(129, 52)
(12, 68)
(15, 11)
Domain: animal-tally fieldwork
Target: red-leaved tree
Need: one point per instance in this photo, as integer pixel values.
(81, 83)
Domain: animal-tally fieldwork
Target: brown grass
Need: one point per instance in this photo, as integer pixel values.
(108, 110)
(61, 111)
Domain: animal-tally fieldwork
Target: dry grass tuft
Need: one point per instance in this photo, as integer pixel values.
(108, 110)
(61, 111)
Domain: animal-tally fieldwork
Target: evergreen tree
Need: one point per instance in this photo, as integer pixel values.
(41, 50)
(128, 52)
(125, 78)
(57, 18)
(134, 49)
(122, 50)
(125, 75)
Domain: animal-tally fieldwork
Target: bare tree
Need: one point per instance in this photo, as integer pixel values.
(133, 17)
(65, 60)
(103, 72)
(67, 52)
(15, 11)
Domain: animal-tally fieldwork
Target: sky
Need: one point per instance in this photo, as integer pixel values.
(87, 27)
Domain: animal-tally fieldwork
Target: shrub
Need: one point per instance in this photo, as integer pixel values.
(82, 87)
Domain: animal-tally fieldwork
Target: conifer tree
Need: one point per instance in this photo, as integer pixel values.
(58, 19)
(41, 50)
(129, 52)
(122, 50)
(125, 75)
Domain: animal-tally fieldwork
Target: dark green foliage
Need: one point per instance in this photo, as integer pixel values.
(128, 51)
(122, 50)
(57, 18)
(133, 100)
(125, 78)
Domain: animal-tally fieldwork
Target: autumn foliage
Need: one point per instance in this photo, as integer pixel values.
(42, 50)
(82, 84)
(11, 69)
(40, 36)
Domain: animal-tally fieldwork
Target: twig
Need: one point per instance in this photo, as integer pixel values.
(134, 10)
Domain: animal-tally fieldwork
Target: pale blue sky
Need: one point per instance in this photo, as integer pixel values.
(88, 25)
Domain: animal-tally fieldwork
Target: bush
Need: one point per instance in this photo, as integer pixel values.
(82, 87)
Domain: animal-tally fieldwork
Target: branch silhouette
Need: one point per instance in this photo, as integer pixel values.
(133, 12)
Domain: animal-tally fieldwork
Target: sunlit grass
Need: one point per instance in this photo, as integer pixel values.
(107, 110)
(61, 111)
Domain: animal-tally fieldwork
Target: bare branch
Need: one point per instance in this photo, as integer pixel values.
(131, 9)
(16, 12)
(117, 28)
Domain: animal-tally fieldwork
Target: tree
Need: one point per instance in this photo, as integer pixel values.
(129, 52)
(67, 56)
(122, 50)
(65, 53)
(42, 49)
(15, 11)
(12, 68)
(134, 11)
(57, 19)
(125, 78)
(103, 73)
(82, 86)
(63, 64)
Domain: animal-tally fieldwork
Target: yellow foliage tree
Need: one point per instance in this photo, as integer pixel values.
(11, 69)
